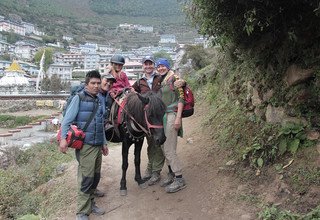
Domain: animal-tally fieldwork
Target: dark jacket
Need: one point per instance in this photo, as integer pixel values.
(141, 85)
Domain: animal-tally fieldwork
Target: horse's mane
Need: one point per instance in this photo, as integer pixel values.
(135, 106)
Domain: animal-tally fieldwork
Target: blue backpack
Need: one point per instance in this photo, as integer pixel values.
(73, 92)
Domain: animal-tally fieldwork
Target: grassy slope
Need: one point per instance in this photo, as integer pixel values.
(77, 18)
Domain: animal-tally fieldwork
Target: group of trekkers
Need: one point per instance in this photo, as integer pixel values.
(98, 95)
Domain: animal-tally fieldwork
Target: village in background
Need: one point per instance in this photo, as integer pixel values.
(21, 74)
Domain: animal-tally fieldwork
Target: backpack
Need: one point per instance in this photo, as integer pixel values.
(73, 91)
(188, 108)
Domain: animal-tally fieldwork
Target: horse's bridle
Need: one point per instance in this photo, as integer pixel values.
(147, 122)
(149, 125)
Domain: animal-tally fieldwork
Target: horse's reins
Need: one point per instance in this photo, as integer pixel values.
(148, 132)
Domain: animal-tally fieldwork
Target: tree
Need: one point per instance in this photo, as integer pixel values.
(49, 39)
(55, 84)
(5, 56)
(48, 57)
(163, 54)
(12, 37)
(45, 84)
(198, 55)
(271, 32)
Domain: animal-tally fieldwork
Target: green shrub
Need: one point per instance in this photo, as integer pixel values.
(273, 213)
(30, 169)
(10, 121)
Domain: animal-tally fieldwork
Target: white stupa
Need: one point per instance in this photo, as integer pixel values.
(14, 76)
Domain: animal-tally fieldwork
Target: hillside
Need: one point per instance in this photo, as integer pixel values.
(97, 20)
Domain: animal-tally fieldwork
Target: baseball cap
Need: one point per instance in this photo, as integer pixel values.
(148, 58)
(108, 76)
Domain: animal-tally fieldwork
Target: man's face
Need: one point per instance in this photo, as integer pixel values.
(117, 67)
(93, 86)
(106, 84)
(162, 69)
(148, 67)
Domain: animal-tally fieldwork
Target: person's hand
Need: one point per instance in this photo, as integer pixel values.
(63, 146)
(179, 83)
(105, 150)
(177, 123)
(109, 68)
(113, 95)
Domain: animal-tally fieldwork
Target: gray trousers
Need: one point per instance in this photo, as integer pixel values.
(89, 169)
(170, 146)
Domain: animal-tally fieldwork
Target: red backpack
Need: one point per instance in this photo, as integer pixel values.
(188, 108)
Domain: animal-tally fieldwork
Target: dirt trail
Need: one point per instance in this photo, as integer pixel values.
(210, 194)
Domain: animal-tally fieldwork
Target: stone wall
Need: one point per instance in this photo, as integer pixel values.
(25, 105)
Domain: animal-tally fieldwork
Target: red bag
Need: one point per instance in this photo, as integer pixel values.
(75, 137)
(188, 108)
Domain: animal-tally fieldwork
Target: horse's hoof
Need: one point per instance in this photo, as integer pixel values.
(143, 185)
(123, 192)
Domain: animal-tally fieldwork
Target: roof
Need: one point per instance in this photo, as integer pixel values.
(14, 67)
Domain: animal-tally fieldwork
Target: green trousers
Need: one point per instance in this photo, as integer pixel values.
(155, 156)
(89, 168)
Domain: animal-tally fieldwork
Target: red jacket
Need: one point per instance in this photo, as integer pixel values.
(121, 83)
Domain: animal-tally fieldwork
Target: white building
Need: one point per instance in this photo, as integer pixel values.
(24, 51)
(133, 69)
(91, 61)
(4, 64)
(10, 26)
(167, 38)
(29, 27)
(67, 38)
(74, 59)
(62, 70)
(4, 46)
(105, 48)
(88, 48)
(146, 29)
(126, 26)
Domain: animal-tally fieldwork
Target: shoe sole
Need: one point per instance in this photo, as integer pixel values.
(166, 184)
(153, 182)
(98, 214)
(146, 178)
(180, 188)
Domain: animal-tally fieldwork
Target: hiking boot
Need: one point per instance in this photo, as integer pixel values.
(147, 175)
(178, 184)
(96, 210)
(98, 193)
(82, 217)
(167, 181)
(155, 177)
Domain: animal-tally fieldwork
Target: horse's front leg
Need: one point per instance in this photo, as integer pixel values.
(123, 182)
(137, 161)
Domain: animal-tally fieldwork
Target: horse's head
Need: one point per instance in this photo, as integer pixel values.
(154, 111)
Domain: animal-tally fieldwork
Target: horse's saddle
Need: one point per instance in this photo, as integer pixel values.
(116, 118)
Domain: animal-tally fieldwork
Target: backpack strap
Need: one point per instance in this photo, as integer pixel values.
(91, 116)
